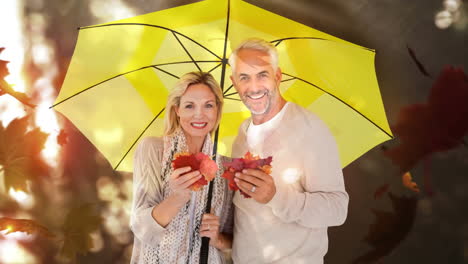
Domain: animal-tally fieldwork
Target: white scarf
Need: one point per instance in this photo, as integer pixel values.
(181, 242)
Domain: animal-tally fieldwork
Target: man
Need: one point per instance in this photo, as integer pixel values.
(287, 217)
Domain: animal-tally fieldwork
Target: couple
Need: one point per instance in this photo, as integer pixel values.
(287, 217)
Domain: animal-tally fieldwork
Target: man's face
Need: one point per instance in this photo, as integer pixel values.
(256, 81)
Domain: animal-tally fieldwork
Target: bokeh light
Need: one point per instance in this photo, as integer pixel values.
(25, 200)
(11, 252)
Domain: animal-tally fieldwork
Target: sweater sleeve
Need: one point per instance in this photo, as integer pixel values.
(147, 191)
(323, 200)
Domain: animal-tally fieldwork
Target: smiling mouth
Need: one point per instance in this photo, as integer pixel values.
(256, 96)
(199, 125)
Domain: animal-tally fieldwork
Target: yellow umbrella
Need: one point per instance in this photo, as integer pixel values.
(116, 86)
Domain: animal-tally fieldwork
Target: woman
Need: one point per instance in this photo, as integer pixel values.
(167, 218)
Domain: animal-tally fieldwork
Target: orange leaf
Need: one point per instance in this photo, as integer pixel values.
(208, 168)
(409, 183)
(24, 225)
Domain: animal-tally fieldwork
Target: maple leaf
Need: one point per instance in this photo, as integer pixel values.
(409, 183)
(248, 161)
(237, 164)
(5, 88)
(20, 155)
(389, 228)
(200, 162)
(62, 138)
(79, 223)
(24, 225)
(435, 126)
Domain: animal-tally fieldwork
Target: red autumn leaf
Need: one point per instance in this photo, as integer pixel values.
(389, 228)
(237, 164)
(229, 175)
(381, 191)
(28, 226)
(249, 161)
(435, 126)
(200, 162)
(62, 138)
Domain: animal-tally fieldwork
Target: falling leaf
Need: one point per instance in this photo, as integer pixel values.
(381, 191)
(20, 153)
(28, 226)
(389, 228)
(200, 162)
(435, 126)
(5, 88)
(409, 183)
(249, 161)
(62, 138)
(80, 222)
(421, 67)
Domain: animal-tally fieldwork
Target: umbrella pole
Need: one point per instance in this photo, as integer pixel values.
(205, 240)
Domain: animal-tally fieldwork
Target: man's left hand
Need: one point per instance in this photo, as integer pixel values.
(256, 183)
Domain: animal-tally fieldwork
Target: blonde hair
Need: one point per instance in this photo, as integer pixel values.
(171, 121)
(255, 44)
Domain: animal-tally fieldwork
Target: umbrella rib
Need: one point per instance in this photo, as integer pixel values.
(332, 95)
(99, 83)
(215, 67)
(229, 88)
(296, 38)
(188, 53)
(125, 73)
(230, 94)
(154, 26)
(290, 79)
(166, 72)
(138, 138)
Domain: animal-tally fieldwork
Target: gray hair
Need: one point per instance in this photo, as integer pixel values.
(256, 44)
(171, 121)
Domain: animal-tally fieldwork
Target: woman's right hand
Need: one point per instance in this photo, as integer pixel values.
(180, 181)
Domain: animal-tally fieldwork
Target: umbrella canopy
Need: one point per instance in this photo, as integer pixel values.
(118, 80)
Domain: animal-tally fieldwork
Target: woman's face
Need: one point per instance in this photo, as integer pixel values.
(197, 110)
